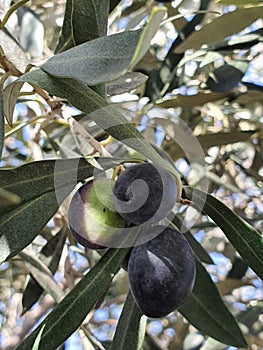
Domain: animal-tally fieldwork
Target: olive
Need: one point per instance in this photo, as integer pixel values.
(161, 272)
(145, 193)
(91, 215)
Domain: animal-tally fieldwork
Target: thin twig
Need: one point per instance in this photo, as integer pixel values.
(80, 132)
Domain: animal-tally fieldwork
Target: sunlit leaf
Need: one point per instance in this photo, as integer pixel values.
(190, 101)
(10, 95)
(13, 51)
(221, 27)
(106, 58)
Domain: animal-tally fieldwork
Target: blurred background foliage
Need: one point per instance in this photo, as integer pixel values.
(204, 67)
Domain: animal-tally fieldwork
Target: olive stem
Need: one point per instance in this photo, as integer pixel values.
(185, 201)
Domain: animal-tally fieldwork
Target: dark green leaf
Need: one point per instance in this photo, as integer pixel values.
(34, 179)
(221, 27)
(199, 251)
(113, 4)
(205, 310)
(131, 327)
(21, 225)
(77, 304)
(238, 2)
(84, 20)
(43, 186)
(246, 240)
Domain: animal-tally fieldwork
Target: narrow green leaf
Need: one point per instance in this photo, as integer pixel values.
(247, 241)
(43, 276)
(84, 20)
(68, 315)
(10, 95)
(190, 101)
(38, 338)
(221, 27)
(21, 225)
(108, 117)
(205, 310)
(2, 125)
(43, 186)
(131, 327)
(50, 255)
(197, 248)
(149, 30)
(34, 179)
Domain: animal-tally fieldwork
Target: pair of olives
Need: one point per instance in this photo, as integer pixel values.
(161, 270)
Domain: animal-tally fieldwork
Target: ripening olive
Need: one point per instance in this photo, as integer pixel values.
(145, 193)
(91, 215)
(161, 272)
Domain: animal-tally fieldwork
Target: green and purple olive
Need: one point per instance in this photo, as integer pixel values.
(91, 215)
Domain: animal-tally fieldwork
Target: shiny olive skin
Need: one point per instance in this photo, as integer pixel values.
(161, 273)
(91, 219)
(144, 193)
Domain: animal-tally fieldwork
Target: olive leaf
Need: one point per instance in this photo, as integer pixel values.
(131, 327)
(246, 240)
(57, 327)
(221, 27)
(105, 58)
(42, 186)
(2, 125)
(206, 311)
(83, 21)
